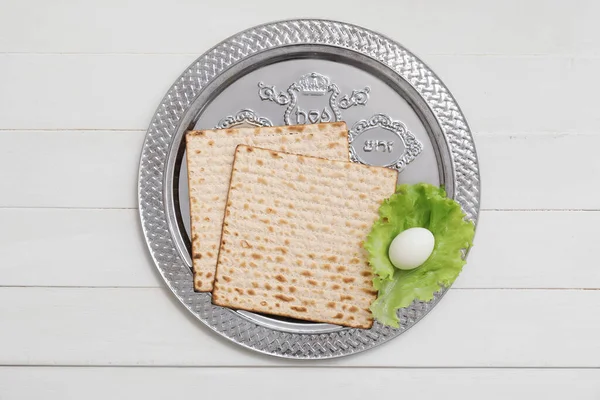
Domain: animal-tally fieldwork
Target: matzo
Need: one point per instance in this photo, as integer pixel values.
(292, 236)
(209, 157)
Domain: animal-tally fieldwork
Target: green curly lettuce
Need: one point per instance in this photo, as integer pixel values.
(426, 206)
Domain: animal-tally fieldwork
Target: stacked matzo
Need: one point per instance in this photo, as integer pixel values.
(210, 154)
(292, 236)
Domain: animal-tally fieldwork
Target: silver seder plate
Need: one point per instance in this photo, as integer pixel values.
(399, 113)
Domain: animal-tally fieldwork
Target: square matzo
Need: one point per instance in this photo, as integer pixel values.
(209, 157)
(292, 236)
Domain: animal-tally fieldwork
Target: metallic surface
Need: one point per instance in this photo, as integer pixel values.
(206, 91)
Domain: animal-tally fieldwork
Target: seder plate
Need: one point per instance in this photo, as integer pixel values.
(399, 113)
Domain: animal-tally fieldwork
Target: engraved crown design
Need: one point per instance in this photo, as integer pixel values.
(314, 84)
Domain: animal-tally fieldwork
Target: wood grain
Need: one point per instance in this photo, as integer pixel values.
(518, 171)
(464, 27)
(470, 328)
(498, 94)
(105, 248)
(260, 383)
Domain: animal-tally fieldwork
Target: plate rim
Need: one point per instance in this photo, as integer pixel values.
(174, 107)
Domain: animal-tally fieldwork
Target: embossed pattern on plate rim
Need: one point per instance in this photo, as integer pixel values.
(178, 100)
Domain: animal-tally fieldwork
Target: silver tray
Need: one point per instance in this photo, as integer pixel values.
(301, 71)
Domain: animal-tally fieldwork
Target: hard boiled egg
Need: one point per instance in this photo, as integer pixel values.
(411, 248)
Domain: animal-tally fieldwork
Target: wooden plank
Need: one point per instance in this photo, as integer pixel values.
(519, 171)
(105, 248)
(498, 94)
(469, 328)
(539, 171)
(61, 247)
(560, 28)
(70, 169)
(271, 383)
(84, 91)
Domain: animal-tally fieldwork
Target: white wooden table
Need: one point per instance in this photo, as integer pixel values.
(84, 315)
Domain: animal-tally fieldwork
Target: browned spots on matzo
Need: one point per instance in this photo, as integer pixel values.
(240, 291)
(268, 287)
(353, 309)
(344, 297)
(270, 211)
(349, 279)
(260, 162)
(251, 292)
(299, 309)
(354, 261)
(249, 149)
(280, 278)
(332, 258)
(245, 244)
(292, 289)
(283, 297)
(312, 282)
(262, 181)
(197, 256)
(331, 304)
(306, 273)
(332, 145)
(279, 259)
(281, 249)
(335, 286)
(366, 273)
(340, 268)
(338, 316)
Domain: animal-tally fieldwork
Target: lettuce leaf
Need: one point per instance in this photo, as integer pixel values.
(425, 206)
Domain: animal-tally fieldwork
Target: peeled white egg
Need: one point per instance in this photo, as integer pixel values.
(411, 248)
